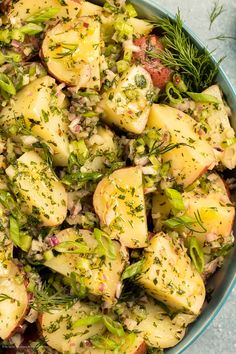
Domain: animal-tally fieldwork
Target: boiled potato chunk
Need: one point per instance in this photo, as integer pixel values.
(190, 161)
(89, 9)
(13, 308)
(71, 52)
(141, 27)
(100, 276)
(119, 202)
(128, 344)
(57, 327)
(169, 276)
(22, 9)
(126, 105)
(39, 189)
(220, 133)
(42, 112)
(215, 209)
(154, 325)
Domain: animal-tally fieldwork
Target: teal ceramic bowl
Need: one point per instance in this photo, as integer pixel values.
(224, 279)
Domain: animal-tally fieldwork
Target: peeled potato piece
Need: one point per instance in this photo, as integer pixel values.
(190, 161)
(126, 105)
(154, 325)
(220, 134)
(22, 9)
(57, 327)
(100, 276)
(169, 276)
(215, 209)
(42, 113)
(119, 203)
(13, 308)
(39, 189)
(71, 52)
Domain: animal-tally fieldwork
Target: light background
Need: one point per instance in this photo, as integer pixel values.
(220, 337)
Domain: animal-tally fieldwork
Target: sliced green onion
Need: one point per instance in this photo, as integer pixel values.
(131, 10)
(228, 142)
(48, 255)
(88, 321)
(105, 246)
(16, 57)
(31, 29)
(81, 291)
(78, 177)
(5, 36)
(14, 231)
(6, 84)
(43, 15)
(202, 97)
(128, 55)
(113, 326)
(175, 222)
(123, 29)
(173, 94)
(175, 199)
(179, 83)
(132, 270)
(18, 35)
(102, 342)
(72, 247)
(122, 66)
(196, 254)
(25, 241)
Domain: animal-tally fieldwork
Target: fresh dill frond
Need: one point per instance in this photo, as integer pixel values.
(44, 300)
(161, 149)
(69, 50)
(222, 37)
(4, 297)
(182, 56)
(217, 10)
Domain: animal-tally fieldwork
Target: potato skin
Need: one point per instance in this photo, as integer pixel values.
(194, 156)
(142, 349)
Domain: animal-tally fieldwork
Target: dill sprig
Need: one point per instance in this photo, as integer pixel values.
(217, 10)
(4, 297)
(44, 300)
(181, 55)
(69, 50)
(161, 149)
(222, 37)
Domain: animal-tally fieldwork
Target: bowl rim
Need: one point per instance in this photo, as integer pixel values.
(232, 282)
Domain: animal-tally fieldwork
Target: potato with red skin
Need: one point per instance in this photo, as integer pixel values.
(160, 74)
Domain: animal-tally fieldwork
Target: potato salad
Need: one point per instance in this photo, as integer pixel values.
(114, 210)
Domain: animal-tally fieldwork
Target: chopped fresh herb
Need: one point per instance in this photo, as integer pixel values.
(180, 54)
(217, 10)
(140, 81)
(133, 270)
(196, 253)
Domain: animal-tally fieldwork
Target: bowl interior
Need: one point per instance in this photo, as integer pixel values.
(223, 281)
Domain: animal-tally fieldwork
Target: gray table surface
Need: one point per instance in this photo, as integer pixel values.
(220, 337)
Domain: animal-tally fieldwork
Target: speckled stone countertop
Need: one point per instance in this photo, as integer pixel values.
(220, 337)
